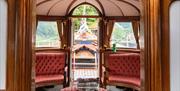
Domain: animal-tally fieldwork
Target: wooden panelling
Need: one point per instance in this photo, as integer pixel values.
(10, 80)
(21, 24)
(165, 51)
(152, 46)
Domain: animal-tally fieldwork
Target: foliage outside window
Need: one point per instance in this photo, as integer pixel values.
(85, 29)
(85, 10)
(123, 35)
(47, 34)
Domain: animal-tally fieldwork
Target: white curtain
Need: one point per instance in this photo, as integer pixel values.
(175, 46)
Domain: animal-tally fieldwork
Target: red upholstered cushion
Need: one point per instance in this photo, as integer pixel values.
(44, 79)
(125, 79)
(50, 63)
(76, 89)
(126, 64)
(70, 89)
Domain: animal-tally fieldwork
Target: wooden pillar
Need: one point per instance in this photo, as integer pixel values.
(151, 73)
(165, 42)
(21, 26)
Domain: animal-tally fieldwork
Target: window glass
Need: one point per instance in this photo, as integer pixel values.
(47, 34)
(123, 35)
(85, 10)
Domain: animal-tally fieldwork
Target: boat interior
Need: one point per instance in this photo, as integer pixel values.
(91, 45)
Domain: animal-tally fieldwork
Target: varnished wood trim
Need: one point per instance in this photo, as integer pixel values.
(10, 79)
(50, 18)
(152, 47)
(71, 11)
(21, 23)
(123, 50)
(102, 8)
(117, 18)
(48, 49)
(123, 18)
(69, 6)
(2, 90)
(165, 52)
(84, 16)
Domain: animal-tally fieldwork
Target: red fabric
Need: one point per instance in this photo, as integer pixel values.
(76, 89)
(125, 79)
(70, 89)
(44, 79)
(127, 64)
(49, 68)
(50, 63)
(124, 68)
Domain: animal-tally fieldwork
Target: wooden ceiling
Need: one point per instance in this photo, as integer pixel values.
(106, 7)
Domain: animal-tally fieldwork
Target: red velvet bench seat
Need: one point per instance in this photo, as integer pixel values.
(123, 70)
(49, 68)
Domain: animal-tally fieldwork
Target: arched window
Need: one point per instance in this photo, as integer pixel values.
(47, 34)
(85, 9)
(123, 35)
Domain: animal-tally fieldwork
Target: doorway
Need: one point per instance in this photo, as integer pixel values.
(84, 44)
(85, 38)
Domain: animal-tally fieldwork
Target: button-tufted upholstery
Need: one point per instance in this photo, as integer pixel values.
(49, 68)
(124, 68)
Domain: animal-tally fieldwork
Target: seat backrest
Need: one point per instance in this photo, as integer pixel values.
(50, 63)
(126, 64)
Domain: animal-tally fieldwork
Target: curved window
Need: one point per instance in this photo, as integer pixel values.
(123, 35)
(85, 10)
(47, 34)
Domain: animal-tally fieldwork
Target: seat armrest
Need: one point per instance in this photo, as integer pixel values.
(66, 69)
(65, 76)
